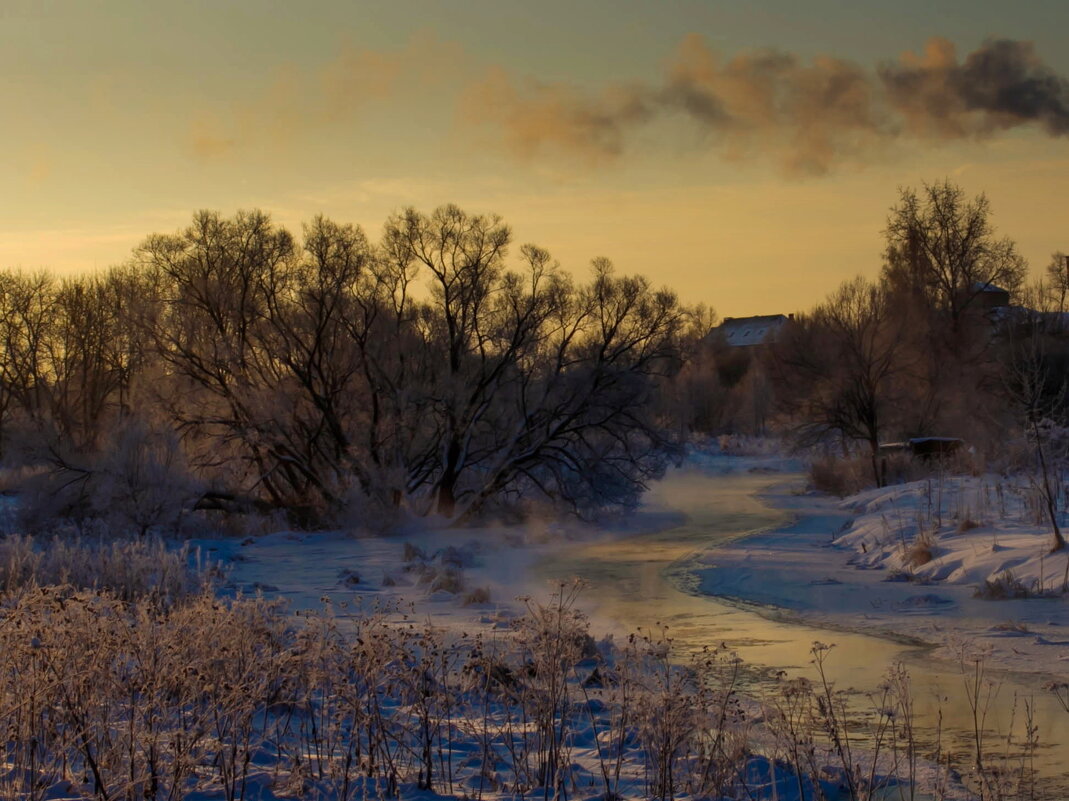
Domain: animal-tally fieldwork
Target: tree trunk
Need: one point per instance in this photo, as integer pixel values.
(874, 452)
(1048, 491)
(447, 484)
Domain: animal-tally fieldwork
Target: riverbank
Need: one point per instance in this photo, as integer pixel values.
(806, 566)
(810, 572)
(645, 572)
(461, 578)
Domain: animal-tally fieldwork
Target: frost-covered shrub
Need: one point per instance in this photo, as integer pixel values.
(1003, 587)
(136, 484)
(127, 570)
(840, 476)
(111, 699)
(106, 698)
(143, 481)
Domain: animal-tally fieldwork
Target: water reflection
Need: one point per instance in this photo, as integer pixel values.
(643, 583)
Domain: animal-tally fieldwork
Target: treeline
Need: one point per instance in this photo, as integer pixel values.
(950, 340)
(233, 366)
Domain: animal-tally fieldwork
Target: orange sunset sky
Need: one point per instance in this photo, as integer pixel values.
(743, 153)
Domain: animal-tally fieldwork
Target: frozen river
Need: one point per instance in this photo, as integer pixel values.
(644, 581)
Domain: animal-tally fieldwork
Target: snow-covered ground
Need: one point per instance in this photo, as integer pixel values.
(459, 577)
(359, 572)
(830, 567)
(907, 561)
(904, 561)
(959, 530)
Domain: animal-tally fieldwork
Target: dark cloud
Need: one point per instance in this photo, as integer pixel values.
(770, 103)
(806, 115)
(1008, 79)
(1002, 84)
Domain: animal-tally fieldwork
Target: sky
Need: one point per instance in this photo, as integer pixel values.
(745, 154)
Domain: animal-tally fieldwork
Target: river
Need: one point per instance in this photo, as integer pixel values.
(643, 582)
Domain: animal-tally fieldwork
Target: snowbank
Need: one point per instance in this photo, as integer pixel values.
(986, 532)
(907, 562)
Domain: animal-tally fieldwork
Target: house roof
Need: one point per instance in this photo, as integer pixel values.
(743, 331)
(980, 286)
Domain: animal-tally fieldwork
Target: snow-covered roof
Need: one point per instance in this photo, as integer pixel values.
(1049, 321)
(744, 331)
(987, 286)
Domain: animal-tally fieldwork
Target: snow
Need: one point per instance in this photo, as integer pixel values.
(840, 565)
(858, 564)
(357, 573)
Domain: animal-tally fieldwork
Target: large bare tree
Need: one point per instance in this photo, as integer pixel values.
(325, 370)
(942, 248)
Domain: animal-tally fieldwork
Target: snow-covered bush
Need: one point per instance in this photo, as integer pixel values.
(127, 570)
(110, 698)
(137, 484)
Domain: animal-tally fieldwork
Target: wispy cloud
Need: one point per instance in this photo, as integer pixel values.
(537, 117)
(808, 116)
(296, 102)
(206, 138)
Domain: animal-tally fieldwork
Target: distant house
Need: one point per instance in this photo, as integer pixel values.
(987, 296)
(746, 332)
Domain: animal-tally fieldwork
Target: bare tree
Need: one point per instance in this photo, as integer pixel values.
(25, 329)
(1058, 279)
(943, 246)
(839, 365)
(464, 255)
(538, 384)
(322, 371)
(259, 328)
(1035, 383)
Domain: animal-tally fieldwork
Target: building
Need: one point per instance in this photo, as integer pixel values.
(745, 332)
(987, 296)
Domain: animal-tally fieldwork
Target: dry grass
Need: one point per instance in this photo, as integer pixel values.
(1003, 587)
(479, 595)
(921, 550)
(111, 698)
(125, 569)
(839, 476)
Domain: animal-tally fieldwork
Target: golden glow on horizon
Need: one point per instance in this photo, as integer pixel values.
(120, 135)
